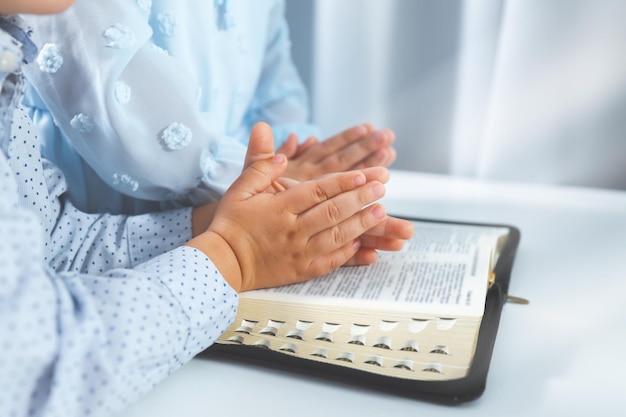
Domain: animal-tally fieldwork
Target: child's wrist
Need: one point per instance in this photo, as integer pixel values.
(219, 251)
(201, 218)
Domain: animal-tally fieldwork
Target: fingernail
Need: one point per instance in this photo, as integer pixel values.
(378, 190)
(379, 137)
(360, 130)
(278, 159)
(378, 212)
(359, 180)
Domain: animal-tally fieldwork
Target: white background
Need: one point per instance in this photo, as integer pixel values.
(529, 90)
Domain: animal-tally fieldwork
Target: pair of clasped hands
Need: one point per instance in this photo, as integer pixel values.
(298, 214)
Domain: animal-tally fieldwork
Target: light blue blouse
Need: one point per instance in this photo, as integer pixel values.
(93, 311)
(155, 99)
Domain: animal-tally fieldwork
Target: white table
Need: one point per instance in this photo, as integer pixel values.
(562, 355)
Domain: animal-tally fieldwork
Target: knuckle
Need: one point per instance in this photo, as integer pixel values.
(337, 236)
(369, 145)
(365, 197)
(330, 263)
(333, 213)
(333, 264)
(340, 159)
(257, 169)
(319, 193)
(366, 221)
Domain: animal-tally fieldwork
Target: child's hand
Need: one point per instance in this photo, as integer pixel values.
(355, 148)
(259, 239)
(388, 235)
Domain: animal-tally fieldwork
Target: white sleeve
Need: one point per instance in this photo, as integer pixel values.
(127, 107)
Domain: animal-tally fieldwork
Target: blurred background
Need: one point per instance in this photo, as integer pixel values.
(528, 90)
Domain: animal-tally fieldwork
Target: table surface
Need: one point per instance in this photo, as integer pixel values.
(563, 354)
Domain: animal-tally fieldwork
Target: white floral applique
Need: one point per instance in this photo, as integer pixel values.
(125, 181)
(166, 24)
(159, 49)
(122, 92)
(82, 123)
(119, 36)
(144, 5)
(50, 59)
(176, 137)
(208, 164)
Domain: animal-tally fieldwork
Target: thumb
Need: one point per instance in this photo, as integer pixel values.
(256, 178)
(261, 167)
(260, 145)
(290, 147)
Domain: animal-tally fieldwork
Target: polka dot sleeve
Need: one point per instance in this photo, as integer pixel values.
(84, 242)
(76, 340)
(93, 243)
(88, 345)
(86, 334)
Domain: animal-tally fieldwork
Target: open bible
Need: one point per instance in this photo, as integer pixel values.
(421, 321)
